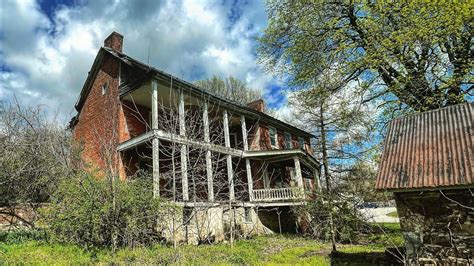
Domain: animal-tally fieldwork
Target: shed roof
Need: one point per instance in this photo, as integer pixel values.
(433, 149)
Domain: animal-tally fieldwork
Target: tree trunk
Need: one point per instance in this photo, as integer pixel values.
(326, 174)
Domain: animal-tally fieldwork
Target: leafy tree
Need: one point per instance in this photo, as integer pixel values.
(416, 54)
(230, 88)
(340, 124)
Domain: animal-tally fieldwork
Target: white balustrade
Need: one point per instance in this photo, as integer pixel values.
(274, 194)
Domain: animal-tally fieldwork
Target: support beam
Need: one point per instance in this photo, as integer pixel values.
(299, 177)
(244, 133)
(226, 129)
(317, 183)
(210, 178)
(156, 167)
(184, 148)
(182, 120)
(210, 183)
(205, 118)
(249, 178)
(154, 104)
(184, 172)
(230, 175)
(230, 171)
(155, 141)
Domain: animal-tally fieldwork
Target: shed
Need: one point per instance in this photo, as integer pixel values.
(428, 163)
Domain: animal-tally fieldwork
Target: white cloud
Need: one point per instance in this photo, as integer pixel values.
(48, 61)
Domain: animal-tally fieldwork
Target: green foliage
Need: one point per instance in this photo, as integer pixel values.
(263, 250)
(419, 51)
(348, 224)
(95, 212)
(20, 236)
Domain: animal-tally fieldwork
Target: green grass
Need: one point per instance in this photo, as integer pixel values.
(263, 250)
(393, 214)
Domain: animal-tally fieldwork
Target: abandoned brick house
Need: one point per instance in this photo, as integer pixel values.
(200, 149)
(428, 163)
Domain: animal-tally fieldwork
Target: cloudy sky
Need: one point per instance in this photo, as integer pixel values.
(48, 46)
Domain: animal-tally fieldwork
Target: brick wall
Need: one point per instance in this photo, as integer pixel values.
(101, 120)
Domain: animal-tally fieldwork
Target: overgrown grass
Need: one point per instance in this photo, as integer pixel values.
(267, 250)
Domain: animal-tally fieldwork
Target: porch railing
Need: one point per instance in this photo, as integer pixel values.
(274, 194)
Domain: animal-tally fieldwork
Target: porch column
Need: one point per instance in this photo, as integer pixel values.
(155, 141)
(248, 168)
(207, 139)
(184, 150)
(230, 173)
(316, 179)
(299, 177)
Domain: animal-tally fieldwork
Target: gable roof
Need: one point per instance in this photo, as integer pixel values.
(433, 149)
(154, 72)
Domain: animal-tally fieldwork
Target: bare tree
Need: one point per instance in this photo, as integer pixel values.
(35, 153)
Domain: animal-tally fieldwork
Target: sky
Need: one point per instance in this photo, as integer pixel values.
(47, 47)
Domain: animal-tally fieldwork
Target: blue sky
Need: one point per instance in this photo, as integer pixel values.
(48, 46)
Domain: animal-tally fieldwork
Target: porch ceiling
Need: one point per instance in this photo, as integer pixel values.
(282, 155)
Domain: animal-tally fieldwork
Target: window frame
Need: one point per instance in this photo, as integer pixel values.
(301, 142)
(105, 88)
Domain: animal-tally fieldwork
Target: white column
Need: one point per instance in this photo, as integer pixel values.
(248, 167)
(184, 150)
(249, 178)
(210, 184)
(317, 183)
(244, 133)
(230, 172)
(299, 177)
(155, 141)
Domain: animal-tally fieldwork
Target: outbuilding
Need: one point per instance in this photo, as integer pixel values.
(428, 163)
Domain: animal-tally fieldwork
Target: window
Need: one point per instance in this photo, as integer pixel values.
(301, 142)
(105, 88)
(288, 143)
(273, 136)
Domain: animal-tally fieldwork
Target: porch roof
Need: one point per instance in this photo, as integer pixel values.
(279, 155)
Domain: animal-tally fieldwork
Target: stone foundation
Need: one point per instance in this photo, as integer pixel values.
(198, 225)
(436, 227)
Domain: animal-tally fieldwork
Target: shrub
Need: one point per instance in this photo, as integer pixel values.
(347, 220)
(97, 212)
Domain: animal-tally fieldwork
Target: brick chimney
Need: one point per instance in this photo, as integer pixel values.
(114, 41)
(258, 105)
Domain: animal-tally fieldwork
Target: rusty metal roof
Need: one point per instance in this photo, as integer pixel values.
(429, 150)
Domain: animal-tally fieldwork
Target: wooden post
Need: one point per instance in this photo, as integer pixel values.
(248, 168)
(244, 133)
(184, 150)
(207, 139)
(316, 179)
(230, 172)
(249, 178)
(299, 177)
(155, 141)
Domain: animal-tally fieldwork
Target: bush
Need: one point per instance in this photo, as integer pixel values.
(347, 221)
(97, 212)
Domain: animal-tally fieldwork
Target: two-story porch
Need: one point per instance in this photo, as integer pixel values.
(200, 148)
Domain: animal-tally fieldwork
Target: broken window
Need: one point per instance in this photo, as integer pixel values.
(105, 88)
